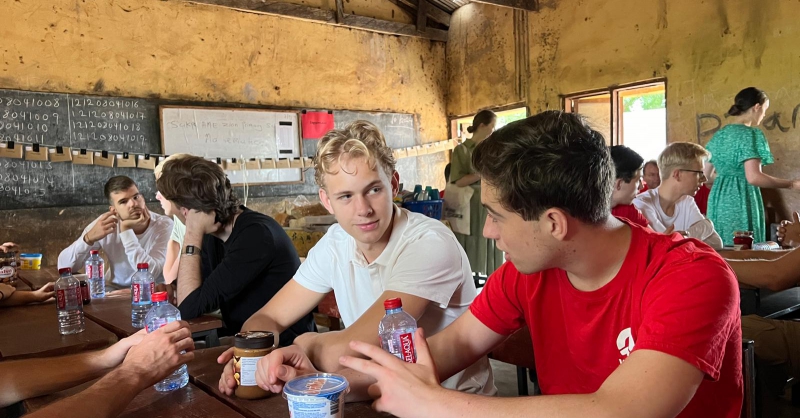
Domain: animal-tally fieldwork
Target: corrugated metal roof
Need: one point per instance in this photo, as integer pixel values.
(448, 6)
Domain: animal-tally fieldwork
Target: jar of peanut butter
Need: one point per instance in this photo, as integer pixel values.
(249, 347)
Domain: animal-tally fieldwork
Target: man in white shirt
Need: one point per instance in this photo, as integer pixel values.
(671, 206)
(128, 234)
(375, 252)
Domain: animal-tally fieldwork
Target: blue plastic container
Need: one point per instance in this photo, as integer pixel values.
(429, 208)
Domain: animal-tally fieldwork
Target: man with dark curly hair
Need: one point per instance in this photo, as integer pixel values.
(233, 258)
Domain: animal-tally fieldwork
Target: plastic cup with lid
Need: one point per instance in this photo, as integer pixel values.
(318, 395)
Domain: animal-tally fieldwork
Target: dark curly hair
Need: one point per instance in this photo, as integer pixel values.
(196, 183)
(550, 160)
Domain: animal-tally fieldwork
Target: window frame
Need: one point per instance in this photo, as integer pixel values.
(615, 104)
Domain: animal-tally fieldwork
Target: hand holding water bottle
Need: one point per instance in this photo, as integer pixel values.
(159, 354)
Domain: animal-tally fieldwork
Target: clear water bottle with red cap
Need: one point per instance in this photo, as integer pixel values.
(162, 313)
(142, 287)
(69, 303)
(396, 331)
(95, 276)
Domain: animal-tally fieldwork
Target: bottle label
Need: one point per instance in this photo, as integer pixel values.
(152, 287)
(246, 368)
(407, 351)
(90, 271)
(100, 273)
(85, 293)
(7, 272)
(78, 297)
(136, 292)
(61, 299)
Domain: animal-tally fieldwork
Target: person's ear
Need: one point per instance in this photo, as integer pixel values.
(555, 222)
(325, 200)
(396, 184)
(618, 184)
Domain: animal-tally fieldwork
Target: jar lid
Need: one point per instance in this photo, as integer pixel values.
(256, 340)
(65, 270)
(31, 255)
(316, 384)
(742, 233)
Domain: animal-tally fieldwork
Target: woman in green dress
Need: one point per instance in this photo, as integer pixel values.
(483, 257)
(738, 151)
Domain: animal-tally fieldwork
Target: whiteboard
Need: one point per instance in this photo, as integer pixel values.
(235, 133)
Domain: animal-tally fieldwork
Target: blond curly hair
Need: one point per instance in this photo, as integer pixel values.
(358, 139)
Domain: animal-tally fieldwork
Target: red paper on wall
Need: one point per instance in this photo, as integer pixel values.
(316, 124)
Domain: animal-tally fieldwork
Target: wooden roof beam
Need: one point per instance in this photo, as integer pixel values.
(529, 5)
(433, 12)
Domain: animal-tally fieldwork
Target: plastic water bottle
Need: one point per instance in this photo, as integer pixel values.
(142, 287)
(69, 303)
(162, 313)
(396, 331)
(95, 276)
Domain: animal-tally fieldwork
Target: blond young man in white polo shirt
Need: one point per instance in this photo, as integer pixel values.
(375, 252)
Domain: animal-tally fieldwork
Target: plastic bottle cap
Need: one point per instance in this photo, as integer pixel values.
(93, 252)
(141, 266)
(159, 297)
(64, 270)
(392, 303)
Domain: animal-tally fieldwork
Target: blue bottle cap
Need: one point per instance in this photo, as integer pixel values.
(30, 255)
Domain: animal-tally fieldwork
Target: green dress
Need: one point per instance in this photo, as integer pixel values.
(484, 257)
(734, 204)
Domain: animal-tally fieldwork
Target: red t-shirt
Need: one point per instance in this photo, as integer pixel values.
(630, 213)
(672, 295)
(701, 198)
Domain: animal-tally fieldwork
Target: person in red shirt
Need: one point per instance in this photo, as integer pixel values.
(628, 166)
(701, 198)
(624, 322)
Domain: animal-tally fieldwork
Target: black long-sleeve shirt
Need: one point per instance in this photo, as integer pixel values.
(242, 274)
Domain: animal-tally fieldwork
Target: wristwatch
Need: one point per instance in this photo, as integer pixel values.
(191, 250)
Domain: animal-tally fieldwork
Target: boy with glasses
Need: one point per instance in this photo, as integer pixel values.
(670, 207)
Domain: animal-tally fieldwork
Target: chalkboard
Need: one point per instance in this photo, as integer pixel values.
(133, 125)
(80, 122)
(235, 133)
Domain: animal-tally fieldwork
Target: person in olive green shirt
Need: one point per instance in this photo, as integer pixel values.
(738, 151)
(483, 256)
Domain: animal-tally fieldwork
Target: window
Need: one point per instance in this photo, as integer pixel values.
(632, 115)
(458, 127)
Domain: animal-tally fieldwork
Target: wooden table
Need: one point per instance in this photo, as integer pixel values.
(114, 314)
(190, 401)
(205, 372)
(38, 278)
(32, 331)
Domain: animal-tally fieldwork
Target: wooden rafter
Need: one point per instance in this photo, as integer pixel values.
(529, 5)
(433, 12)
(422, 15)
(299, 11)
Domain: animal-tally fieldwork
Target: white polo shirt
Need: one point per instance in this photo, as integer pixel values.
(422, 259)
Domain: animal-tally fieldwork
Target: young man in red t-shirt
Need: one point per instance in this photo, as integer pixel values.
(625, 322)
(628, 168)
